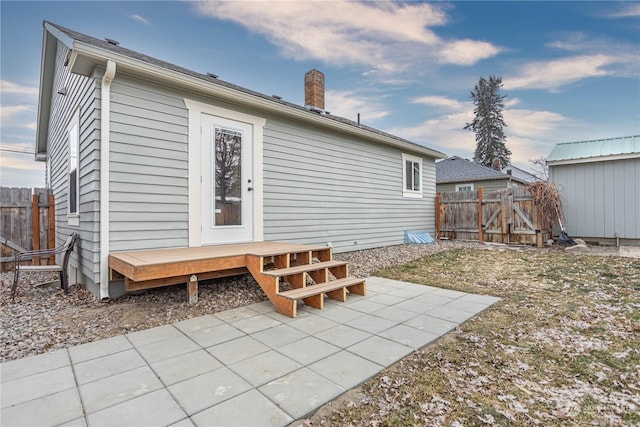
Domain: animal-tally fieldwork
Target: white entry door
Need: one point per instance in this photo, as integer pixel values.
(227, 181)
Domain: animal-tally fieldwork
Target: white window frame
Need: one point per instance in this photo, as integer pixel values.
(413, 192)
(463, 187)
(73, 142)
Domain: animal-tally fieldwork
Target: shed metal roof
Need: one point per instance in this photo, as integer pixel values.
(595, 150)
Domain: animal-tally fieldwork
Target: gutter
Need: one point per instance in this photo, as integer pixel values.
(105, 120)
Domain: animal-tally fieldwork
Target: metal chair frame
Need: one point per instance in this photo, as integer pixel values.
(65, 249)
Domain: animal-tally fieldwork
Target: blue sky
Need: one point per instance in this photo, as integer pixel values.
(571, 70)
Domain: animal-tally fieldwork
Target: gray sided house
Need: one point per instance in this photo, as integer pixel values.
(143, 154)
(458, 174)
(599, 182)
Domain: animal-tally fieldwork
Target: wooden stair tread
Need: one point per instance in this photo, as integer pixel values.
(275, 252)
(303, 268)
(320, 288)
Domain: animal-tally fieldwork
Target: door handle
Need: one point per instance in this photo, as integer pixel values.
(249, 188)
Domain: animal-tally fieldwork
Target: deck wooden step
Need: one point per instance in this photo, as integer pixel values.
(303, 268)
(321, 288)
(276, 251)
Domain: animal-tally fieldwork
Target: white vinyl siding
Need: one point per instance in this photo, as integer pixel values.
(149, 167)
(322, 187)
(79, 105)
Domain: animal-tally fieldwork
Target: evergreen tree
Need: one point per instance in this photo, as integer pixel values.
(488, 122)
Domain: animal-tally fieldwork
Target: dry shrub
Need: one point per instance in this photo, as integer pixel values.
(547, 197)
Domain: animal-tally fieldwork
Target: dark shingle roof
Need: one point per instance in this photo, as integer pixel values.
(116, 48)
(457, 169)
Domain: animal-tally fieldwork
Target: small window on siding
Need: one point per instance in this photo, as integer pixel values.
(464, 187)
(73, 178)
(412, 176)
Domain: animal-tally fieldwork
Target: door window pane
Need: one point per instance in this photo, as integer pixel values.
(228, 177)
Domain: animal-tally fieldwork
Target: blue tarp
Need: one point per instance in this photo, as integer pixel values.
(417, 237)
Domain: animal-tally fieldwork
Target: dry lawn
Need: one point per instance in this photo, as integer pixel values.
(562, 347)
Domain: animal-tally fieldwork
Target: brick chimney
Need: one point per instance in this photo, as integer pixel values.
(314, 89)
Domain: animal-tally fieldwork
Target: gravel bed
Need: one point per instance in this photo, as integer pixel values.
(43, 318)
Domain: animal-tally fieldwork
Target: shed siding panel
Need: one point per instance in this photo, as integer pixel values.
(599, 221)
(321, 187)
(149, 169)
(600, 198)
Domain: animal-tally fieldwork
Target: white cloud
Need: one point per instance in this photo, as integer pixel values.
(560, 72)
(348, 104)
(387, 36)
(511, 102)
(530, 133)
(8, 87)
(467, 52)
(21, 170)
(444, 133)
(8, 111)
(530, 123)
(626, 10)
(140, 19)
(442, 102)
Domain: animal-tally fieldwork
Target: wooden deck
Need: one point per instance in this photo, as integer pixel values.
(293, 263)
(161, 267)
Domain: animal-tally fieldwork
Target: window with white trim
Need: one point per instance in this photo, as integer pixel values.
(73, 178)
(464, 187)
(411, 176)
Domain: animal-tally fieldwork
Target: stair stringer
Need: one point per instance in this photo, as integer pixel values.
(271, 286)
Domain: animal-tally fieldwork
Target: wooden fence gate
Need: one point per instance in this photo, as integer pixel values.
(27, 222)
(506, 216)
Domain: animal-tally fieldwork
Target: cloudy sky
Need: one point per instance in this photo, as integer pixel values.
(571, 70)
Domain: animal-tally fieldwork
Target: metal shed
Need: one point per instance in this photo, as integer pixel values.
(599, 181)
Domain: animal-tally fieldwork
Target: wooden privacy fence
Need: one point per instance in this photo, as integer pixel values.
(506, 216)
(27, 222)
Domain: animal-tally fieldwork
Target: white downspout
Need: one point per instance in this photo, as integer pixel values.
(105, 120)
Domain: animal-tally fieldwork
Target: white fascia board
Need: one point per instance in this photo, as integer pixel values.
(68, 41)
(593, 159)
(125, 62)
(47, 71)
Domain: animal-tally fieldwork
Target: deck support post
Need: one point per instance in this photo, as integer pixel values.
(192, 288)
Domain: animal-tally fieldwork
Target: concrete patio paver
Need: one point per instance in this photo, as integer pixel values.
(234, 412)
(106, 366)
(185, 366)
(346, 369)
(161, 410)
(53, 409)
(204, 391)
(264, 367)
(238, 349)
(247, 366)
(300, 392)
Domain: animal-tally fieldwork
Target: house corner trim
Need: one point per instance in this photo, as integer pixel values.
(105, 120)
